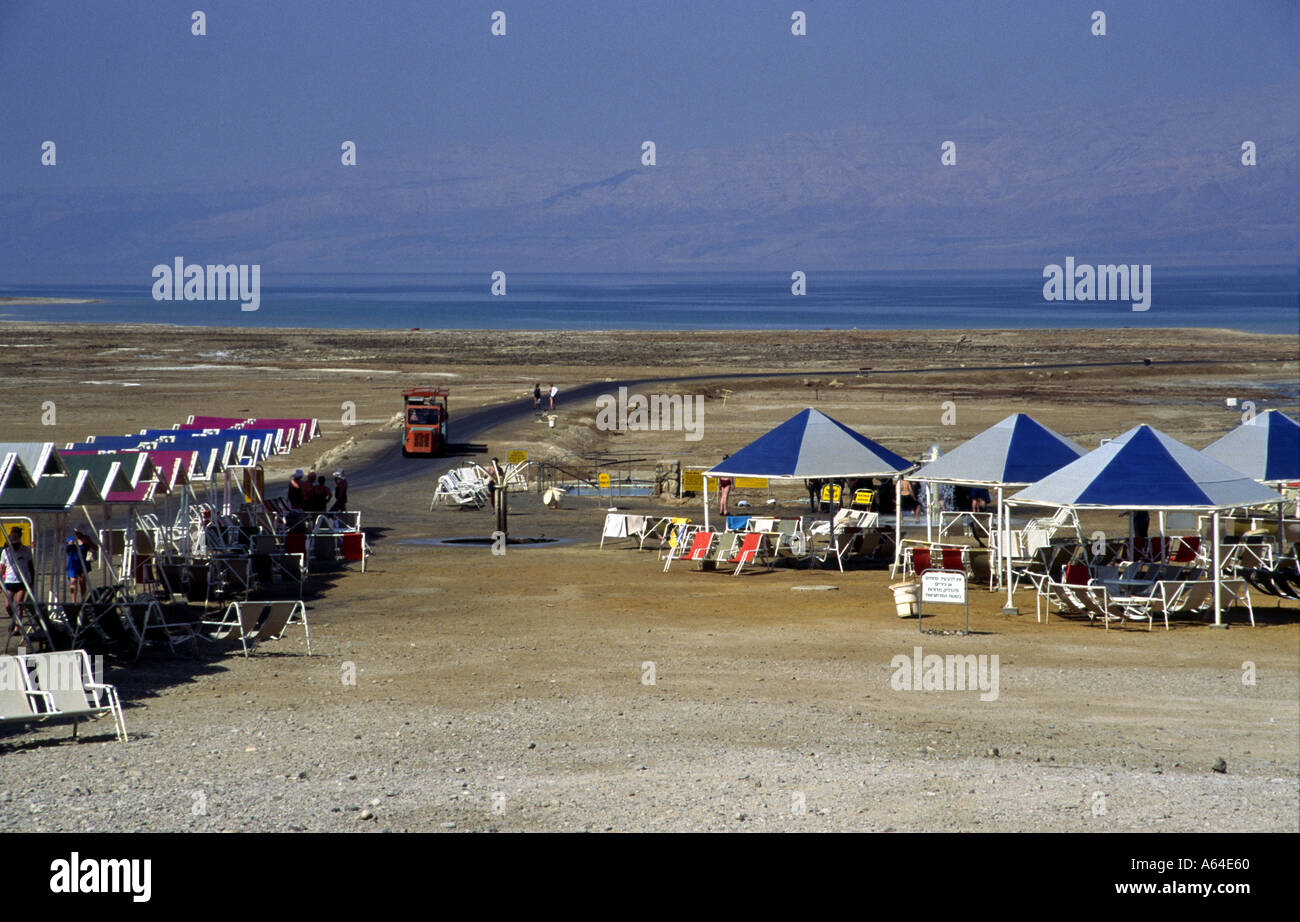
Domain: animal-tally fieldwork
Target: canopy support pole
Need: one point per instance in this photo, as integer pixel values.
(898, 525)
(928, 493)
(1218, 602)
(1004, 551)
(705, 480)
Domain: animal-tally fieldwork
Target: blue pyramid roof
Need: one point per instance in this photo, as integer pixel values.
(1017, 451)
(811, 444)
(1146, 469)
(1267, 447)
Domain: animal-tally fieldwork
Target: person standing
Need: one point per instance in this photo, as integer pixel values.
(814, 491)
(80, 548)
(17, 570)
(322, 495)
(295, 490)
(554, 390)
(911, 501)
(724, 492)
(537, 396)
(340, 493)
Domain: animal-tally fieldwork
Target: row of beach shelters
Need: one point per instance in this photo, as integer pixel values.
(1024, 463)
(133, 488)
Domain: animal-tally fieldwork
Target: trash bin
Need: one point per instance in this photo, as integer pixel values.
(905, 599)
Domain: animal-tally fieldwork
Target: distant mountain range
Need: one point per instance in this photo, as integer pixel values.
(1098, 181)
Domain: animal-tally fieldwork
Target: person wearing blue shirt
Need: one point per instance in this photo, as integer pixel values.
(80, 549)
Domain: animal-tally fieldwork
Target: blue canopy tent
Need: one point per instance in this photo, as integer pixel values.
(1144, 469)
(1015, 452)
(808, 445)
(1267, 447)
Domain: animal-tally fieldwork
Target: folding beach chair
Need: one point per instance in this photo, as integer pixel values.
(1186, 550)
(920, 560)
(20, 701)
(1064, 597)
(454, 491)
(276, 617)
(863, 499)
(701, 544)
(1171, 597)
(676, 530)
(66, 679)
(752, 546)
(790, 542)
(229, 576)
(355, 547)
(954, 558)
(657, 527)
(147, 618)
(239, 619)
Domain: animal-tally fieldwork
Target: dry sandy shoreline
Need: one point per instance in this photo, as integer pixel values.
(507, 693)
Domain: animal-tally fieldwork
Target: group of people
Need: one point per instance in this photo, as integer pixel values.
(950, 497)
(18, 568)
(313, 494)
(537, 395)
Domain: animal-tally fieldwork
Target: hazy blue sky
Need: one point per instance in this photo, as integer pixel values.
(473, 148)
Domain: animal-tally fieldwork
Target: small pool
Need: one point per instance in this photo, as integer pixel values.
(624, 490)
(514, 541)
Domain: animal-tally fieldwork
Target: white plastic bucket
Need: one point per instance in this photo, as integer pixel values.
(905, 599)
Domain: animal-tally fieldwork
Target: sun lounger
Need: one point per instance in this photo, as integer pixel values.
(751, 547)
(66, 680)
(279, 616)
(954, 558)
(20, 702)
(699, 548)
(453, 490)
(673, 531)
(1064, 597)
(239, 619)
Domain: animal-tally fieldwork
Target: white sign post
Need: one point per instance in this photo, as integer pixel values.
(943, 587)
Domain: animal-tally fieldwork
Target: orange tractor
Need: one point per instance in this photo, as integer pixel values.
(424, 421)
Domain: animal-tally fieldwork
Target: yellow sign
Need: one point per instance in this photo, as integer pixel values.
(253, 485)
(693, 481)
(517, 456)
(603, 481)
(24, 527)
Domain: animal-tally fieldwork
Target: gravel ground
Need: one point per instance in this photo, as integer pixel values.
(507, 692)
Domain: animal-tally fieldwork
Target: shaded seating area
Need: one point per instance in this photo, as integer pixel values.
(155, 542)
(1146, 470)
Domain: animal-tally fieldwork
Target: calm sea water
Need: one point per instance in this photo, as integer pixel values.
(1257, 300)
